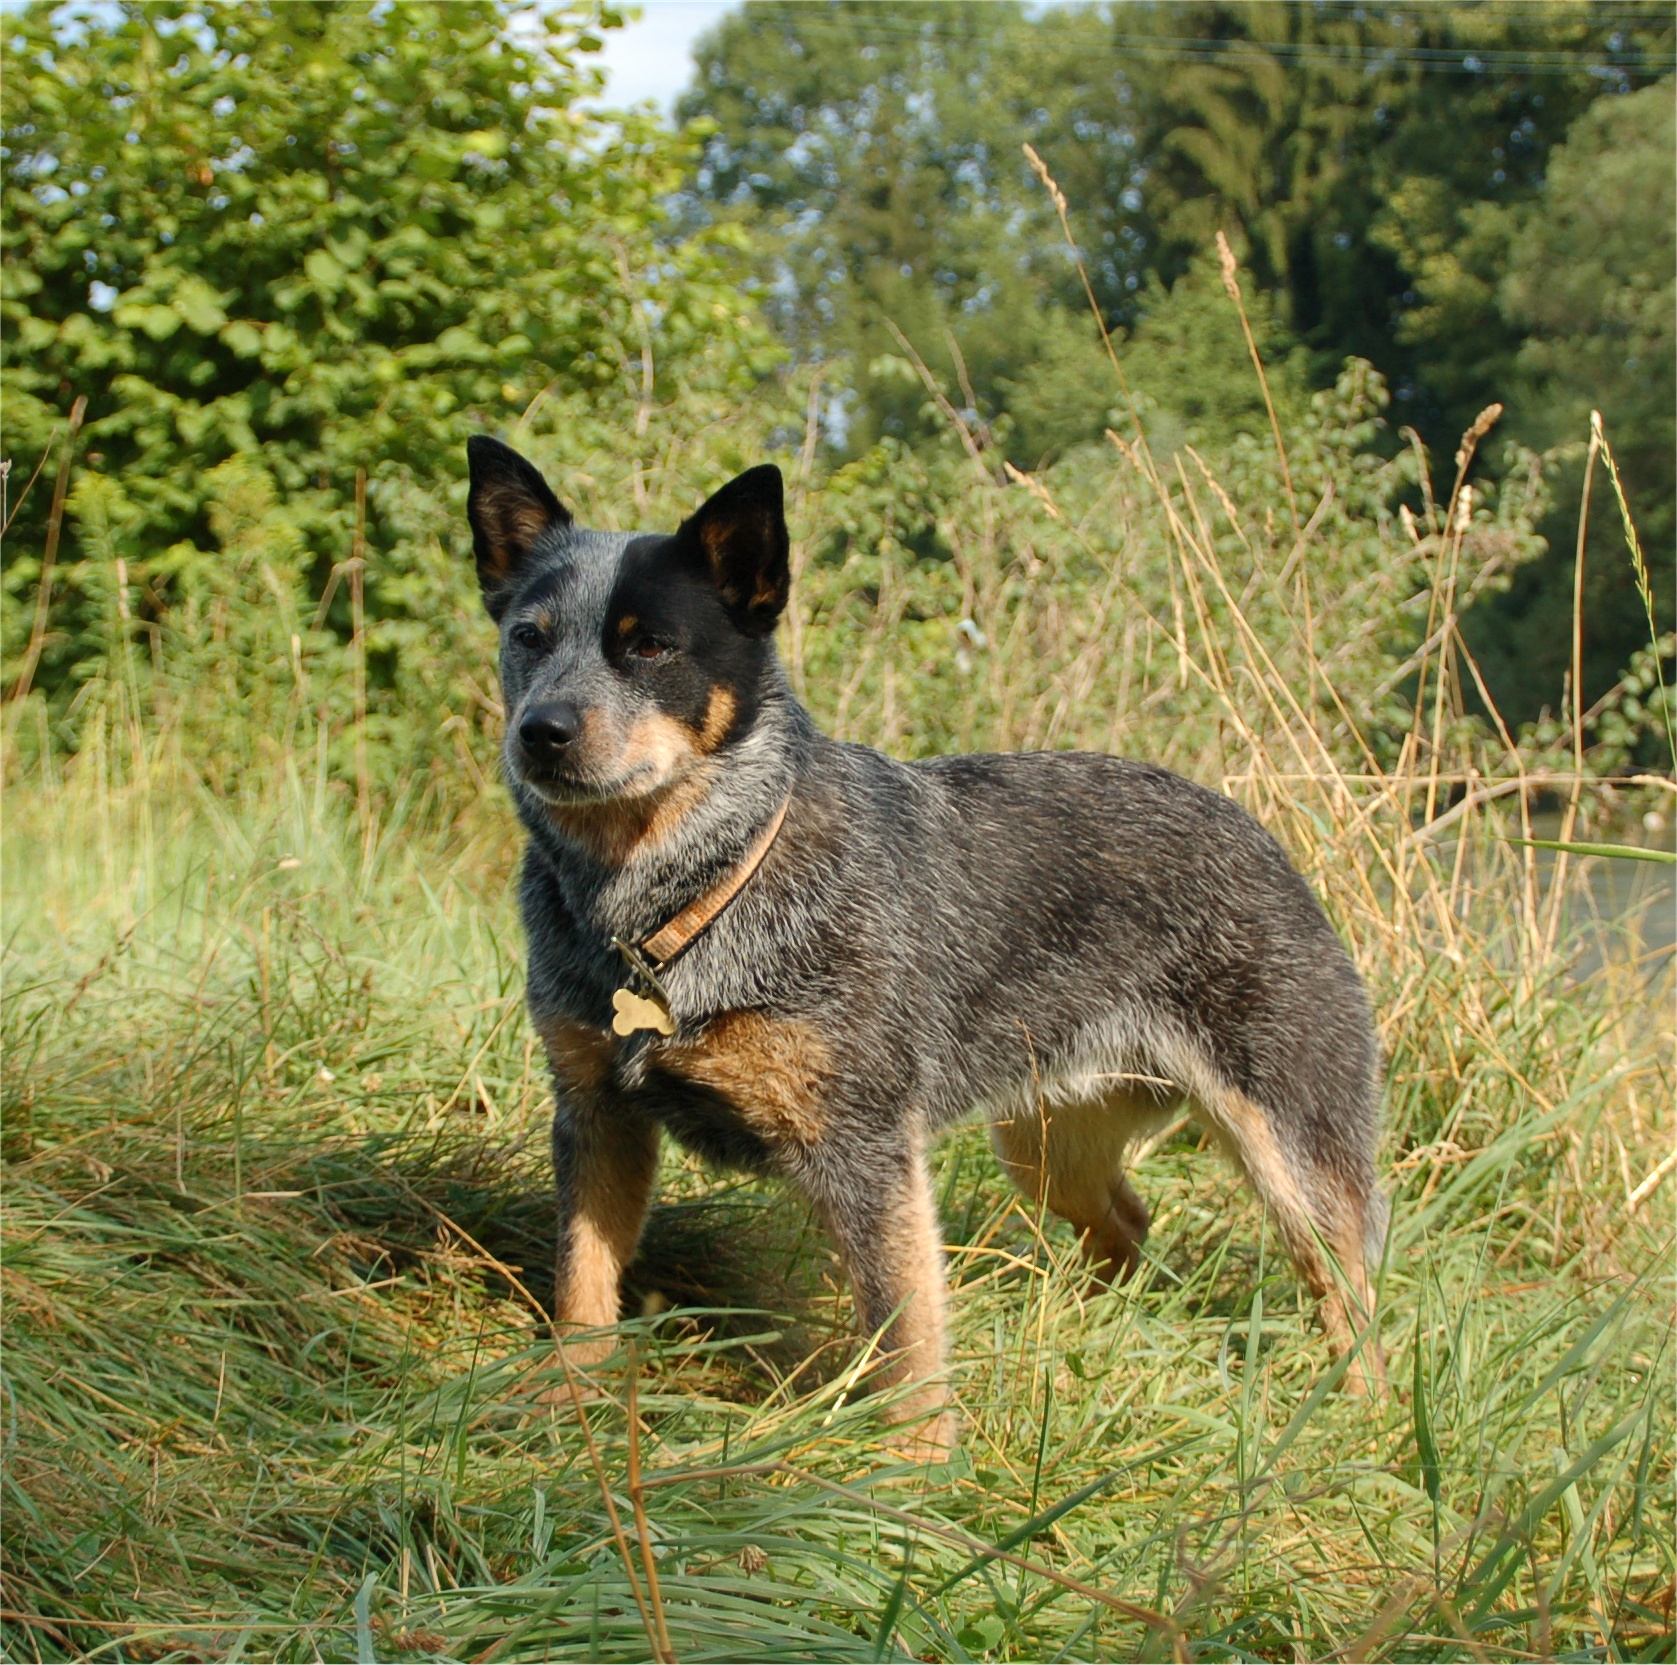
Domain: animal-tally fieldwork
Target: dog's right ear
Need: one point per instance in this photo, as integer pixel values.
(509, 506)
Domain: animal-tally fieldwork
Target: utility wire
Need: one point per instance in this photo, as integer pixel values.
(1303, 54)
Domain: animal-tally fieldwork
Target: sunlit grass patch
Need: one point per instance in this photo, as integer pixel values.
(277, 1382)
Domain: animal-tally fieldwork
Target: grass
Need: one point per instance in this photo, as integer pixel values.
(277, 1218)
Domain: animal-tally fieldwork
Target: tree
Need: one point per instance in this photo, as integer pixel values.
(1590, 285)
(880, 151)
(1350, 152)
(318, 239)
(1371, 163)
(1356, 151)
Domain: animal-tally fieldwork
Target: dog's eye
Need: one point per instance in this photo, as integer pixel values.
(528, 636)
(649, 647)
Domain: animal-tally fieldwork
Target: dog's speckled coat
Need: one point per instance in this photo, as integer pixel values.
(1067, 944)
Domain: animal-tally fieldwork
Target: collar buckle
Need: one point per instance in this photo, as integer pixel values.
(641, 968)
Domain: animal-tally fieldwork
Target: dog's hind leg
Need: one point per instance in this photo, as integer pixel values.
(1071, 1159)
(1331, 1217)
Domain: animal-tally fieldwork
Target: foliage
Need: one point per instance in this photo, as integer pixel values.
(1589, 278)
(882, 149)
(885, 147)
(319, 240)
(1317, 130)
(882, 153)
(1592, 280)
(271, 1120)
(1183, 352)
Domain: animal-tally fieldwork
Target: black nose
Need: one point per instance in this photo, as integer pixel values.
(546, 730)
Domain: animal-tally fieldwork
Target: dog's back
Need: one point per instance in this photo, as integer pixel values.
(1074, 945)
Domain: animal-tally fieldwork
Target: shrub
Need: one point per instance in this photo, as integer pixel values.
(324, 240)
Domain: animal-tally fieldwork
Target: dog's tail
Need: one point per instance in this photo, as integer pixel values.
(1377, 1216)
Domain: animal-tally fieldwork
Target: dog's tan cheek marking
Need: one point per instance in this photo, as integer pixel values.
(720, 710)
(775, 1072)
(657, 741)
(614, 832)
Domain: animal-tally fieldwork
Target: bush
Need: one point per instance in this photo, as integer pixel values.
(325, 240)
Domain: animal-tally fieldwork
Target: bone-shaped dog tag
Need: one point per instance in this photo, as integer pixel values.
(631, 1012)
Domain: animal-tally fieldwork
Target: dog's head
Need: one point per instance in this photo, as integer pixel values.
(627, 659)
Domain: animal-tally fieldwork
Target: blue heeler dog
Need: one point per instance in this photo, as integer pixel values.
(805, 958)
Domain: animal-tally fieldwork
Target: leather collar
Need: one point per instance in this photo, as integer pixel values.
(678, 934)
(651, 1008)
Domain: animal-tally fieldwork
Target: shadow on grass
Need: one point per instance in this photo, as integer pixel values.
(740, 1262)
(734, 1254)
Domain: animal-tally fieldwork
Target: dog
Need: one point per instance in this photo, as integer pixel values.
(803, 958)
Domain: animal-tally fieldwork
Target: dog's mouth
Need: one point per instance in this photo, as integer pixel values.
(573, 791)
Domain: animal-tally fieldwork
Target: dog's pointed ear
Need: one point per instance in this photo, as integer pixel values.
(509, 506)
(741, 534)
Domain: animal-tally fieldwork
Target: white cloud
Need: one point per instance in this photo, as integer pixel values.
(652, 56)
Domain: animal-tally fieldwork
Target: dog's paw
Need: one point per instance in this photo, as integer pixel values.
(927, 1439)
(571, 1376)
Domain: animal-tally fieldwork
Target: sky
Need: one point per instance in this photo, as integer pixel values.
(652, 57)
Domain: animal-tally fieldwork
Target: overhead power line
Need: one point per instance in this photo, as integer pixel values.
(1448, 60)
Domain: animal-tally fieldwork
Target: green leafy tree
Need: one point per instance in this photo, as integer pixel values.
(881, 151)
(319, 239)
(1351, 154)
(1515, 80)
(1354, 152)
(1372, 164)
(1589, 281)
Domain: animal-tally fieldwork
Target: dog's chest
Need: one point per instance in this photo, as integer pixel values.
(747, 1089)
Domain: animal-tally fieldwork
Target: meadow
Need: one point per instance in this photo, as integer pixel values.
(276, 1204)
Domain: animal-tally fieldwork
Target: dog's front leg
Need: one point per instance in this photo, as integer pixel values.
(879, 1210)
(604, 1160)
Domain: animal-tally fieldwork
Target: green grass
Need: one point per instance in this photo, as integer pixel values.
(276, 1194)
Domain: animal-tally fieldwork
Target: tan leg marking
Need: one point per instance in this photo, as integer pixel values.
(776, 1072)
(611, 1189)
(1071, 1158)
(893, 1251)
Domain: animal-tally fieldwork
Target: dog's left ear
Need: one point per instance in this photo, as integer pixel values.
(509, 506)
(741, 534)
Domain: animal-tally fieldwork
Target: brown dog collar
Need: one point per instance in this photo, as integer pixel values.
(646, 959)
